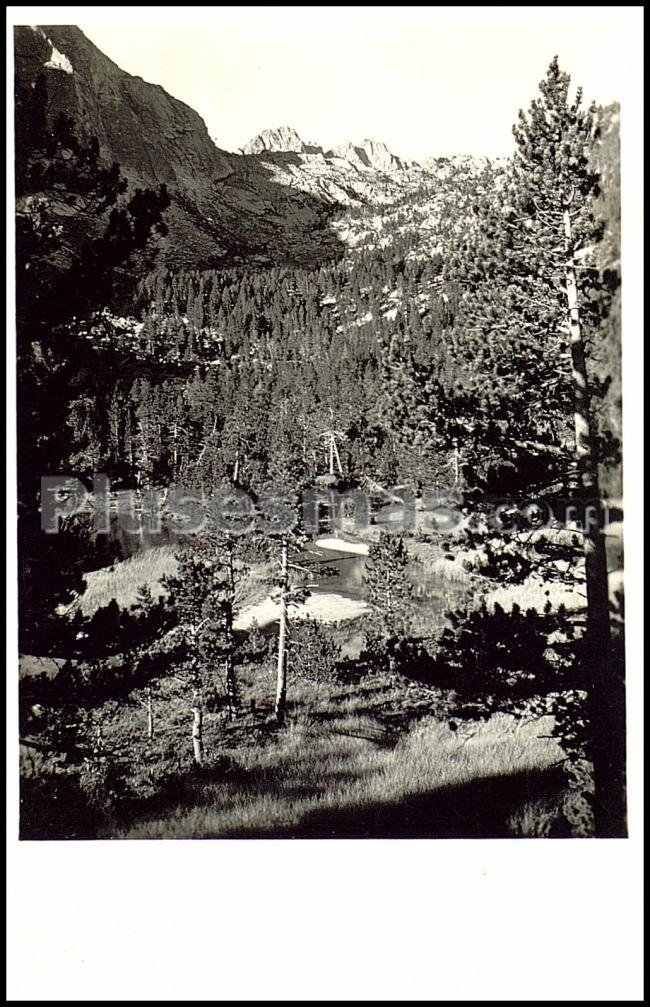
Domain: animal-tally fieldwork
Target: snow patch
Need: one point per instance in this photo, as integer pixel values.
(58, 61)
(342, 545)
(320, 607)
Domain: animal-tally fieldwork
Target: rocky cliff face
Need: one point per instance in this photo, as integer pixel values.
(272, 203)
(606, 159)
(154, 137)
(224, 207)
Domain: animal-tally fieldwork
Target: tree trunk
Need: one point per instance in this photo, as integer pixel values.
(197, 727)
(337, 457)
(232, 698)
(231, 685)
(606, 706)
(149, 716)
(231, 680)
(281, 687)
(456, 464)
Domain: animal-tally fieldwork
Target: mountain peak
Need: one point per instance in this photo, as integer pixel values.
(282, 139)
(369, 155)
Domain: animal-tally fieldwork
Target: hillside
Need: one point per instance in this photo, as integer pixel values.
(271, 204)
(223, 206)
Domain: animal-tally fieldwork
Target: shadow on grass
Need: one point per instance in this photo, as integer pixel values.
(480, 809)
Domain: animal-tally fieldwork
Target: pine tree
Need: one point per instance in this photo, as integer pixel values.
(287, 476)
(534, 307)
(516, 395)
(389, 594)
(203, 596)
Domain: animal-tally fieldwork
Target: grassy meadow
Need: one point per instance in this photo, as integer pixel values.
(363, 753)
(354, 774)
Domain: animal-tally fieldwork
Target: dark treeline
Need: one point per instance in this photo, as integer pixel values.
(221, 362)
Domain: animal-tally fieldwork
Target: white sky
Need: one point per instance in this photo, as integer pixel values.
(426, 80)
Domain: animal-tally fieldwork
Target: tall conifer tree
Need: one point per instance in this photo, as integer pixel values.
(520, 395)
